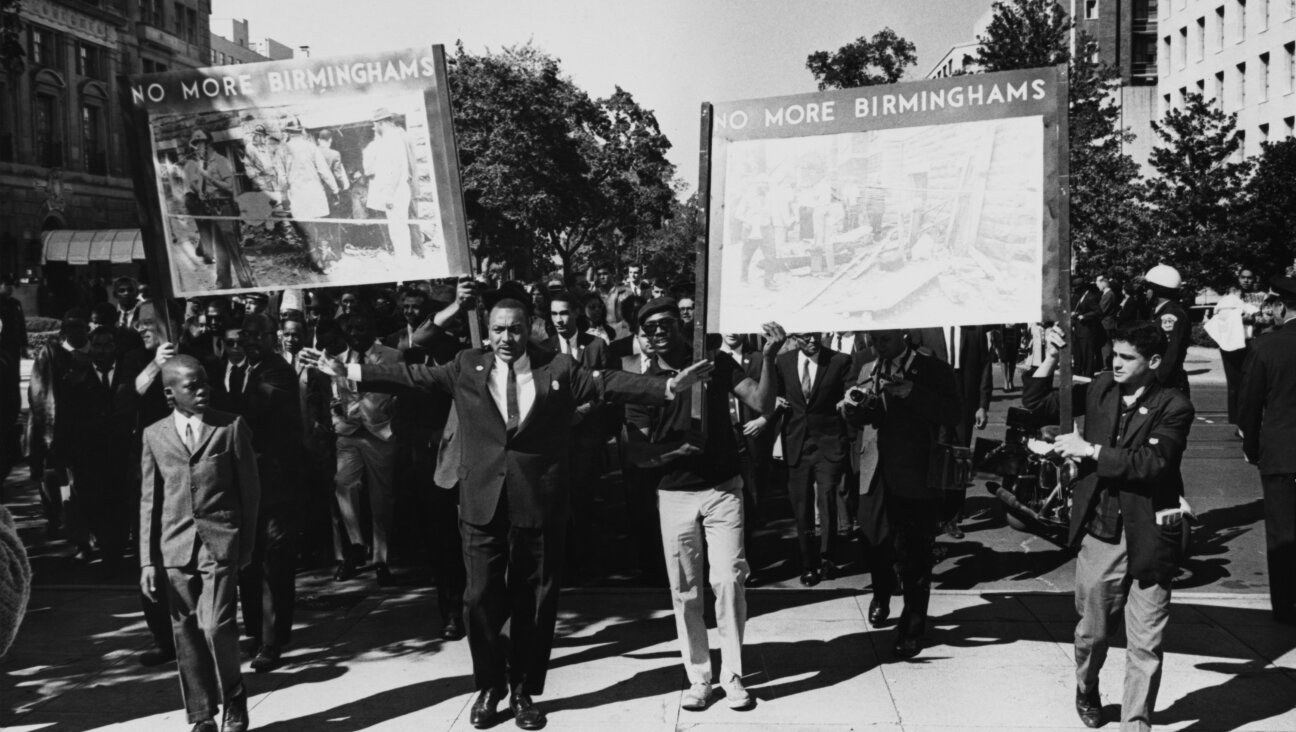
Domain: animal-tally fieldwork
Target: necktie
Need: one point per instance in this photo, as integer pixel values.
(104, 377)
(189, 436)
(806, 382)
(511, 401)
(954, 347)
(236, 379)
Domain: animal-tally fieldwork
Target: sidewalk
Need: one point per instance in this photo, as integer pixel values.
(365, 660)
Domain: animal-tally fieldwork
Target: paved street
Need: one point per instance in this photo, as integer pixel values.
(999, 654)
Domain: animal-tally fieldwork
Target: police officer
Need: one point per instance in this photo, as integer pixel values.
(1163, 283)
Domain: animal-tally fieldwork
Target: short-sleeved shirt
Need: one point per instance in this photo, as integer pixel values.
(669, 424)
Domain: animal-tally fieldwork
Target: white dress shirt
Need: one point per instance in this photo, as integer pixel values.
(193, 421)
(525, 385)
(954, 345)
(570, 346)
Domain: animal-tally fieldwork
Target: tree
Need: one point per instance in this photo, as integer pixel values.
(547, 172)
(1269, 208)
(1025, 34)
(863, 62)
(669, 254)
(1109, 222)
(11, 50)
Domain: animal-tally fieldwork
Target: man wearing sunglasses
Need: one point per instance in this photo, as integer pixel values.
(700, 497)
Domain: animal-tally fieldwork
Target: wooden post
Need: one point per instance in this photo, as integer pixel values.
(702, 267)
(1065, 411)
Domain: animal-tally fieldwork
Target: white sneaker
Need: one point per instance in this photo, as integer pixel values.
(697, 696)
(736, 695)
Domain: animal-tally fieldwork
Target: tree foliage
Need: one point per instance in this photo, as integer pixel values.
(1200, 176)
(1025, 34)
(549, 173)
(11, 51)
(669, 254)
(881, 59)
(1269, 208)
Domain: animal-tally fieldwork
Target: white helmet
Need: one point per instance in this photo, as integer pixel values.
(1163, 275)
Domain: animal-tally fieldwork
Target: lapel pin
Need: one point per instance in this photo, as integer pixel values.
(480, 367)
(1142, 410)
(554, 385)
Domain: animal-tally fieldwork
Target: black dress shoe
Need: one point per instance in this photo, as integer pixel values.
(267, 659)
(827, 571)
(525, 713)
(157, 656)
(1089, 707)
(453, 629)
(384, 575)
(207, 725)
(346, 569)
(482, 715)
(907, 646)
(952, 529)
(235, 716)
(879, 609)
(810, 578)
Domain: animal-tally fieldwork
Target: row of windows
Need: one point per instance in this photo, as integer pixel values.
(1232, 93)
(48, 49)
(49, 126)
(1176, 46)
(1259, 13)
(1143, 10)
(220, 58)
(184, 19)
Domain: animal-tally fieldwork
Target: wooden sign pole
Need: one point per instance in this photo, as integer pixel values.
(703, 262)
(1065, 411)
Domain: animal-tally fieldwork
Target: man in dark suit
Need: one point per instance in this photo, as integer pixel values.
(590, 428)
(46, 398)
(1126, 511)
(515, 405)
(811, 381)
(101, 403)
(756, 434)
(967, 350)
(1086, 324)
(1267, 418)
(262, 389)
(910, 398)
(198, 510)
(314, 392)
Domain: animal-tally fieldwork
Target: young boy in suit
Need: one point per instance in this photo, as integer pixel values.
(198, 506)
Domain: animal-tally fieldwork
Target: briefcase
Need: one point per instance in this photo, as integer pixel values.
(953, 467)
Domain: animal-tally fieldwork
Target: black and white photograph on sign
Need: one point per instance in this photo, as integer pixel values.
(267, 197)
(907, 227)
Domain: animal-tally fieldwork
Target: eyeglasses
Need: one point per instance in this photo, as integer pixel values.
(652, 327)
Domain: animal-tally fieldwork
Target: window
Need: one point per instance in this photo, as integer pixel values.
(1290, 51)
(1183, 47)
(1165, 104)
(90, 61)
(7, 138)
(1201, 88)
(1263, 12)
(1263, 137)
(49, 131)
(1241, 85)
(92, 140)
(151, 13)
(1290, 122)
(1165, 54)
(46, 48)
(1201, 38)
(1219, 27)
(1183, 97)
(1241, 20)
(154, 67)
(1240, 155)
(1219, 89)
(1090, 9)
(1264, 77)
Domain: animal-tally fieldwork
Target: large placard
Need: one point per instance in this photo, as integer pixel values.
(932, 203)
(308, 172)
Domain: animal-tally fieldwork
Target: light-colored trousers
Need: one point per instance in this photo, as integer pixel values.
(364, 459)
(398, 223)
(687, 517)
(1103, 590)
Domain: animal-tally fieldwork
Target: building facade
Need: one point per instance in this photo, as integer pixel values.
(63, 159)
(231, 44)
(1239, 53)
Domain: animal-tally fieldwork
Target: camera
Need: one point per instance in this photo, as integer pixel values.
(858, 396)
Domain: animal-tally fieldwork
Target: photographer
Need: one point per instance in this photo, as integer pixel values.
(1126, 514)
(907, 397)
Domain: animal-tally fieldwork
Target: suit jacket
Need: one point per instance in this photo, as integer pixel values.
(1109, 306)
(1141, 465)
(45, 396)
(813, 417)
(974, 379)
(99, 419)
(1267, 402)
(531, 466)
(908, 429)
(314, 392)
(271, 406)
(595, 421)
(212, 493)
(373, 411)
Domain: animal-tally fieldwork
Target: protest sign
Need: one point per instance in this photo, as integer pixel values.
(307, 172)
(931, 203)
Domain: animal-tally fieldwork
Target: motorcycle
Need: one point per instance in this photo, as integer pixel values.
(1035, 485)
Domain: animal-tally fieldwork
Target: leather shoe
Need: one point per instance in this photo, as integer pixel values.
(810, 578)
(952, 529)
(384, 575)
(907, 646)
(525, 713)
(1089, 707)
(827, 571)
(346, 569)
(207, 725)
(157, 656)
(267, 659)
(482, 715)
(453, 629)
(879, 609)
(235, 717)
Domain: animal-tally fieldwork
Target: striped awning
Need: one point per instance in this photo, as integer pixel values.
(75, 246)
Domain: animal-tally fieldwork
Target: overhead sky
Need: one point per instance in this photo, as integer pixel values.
(672, 55)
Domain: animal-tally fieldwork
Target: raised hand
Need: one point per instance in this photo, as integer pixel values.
(322, 362)
(685, 379)
(775, 337)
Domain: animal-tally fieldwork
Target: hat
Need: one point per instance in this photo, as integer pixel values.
(381, 113)
(199, 135)
(1163, 275)
(658, 305)
(294, 125)
(1284, 287)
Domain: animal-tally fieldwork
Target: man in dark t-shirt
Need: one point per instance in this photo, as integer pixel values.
(699, 496)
